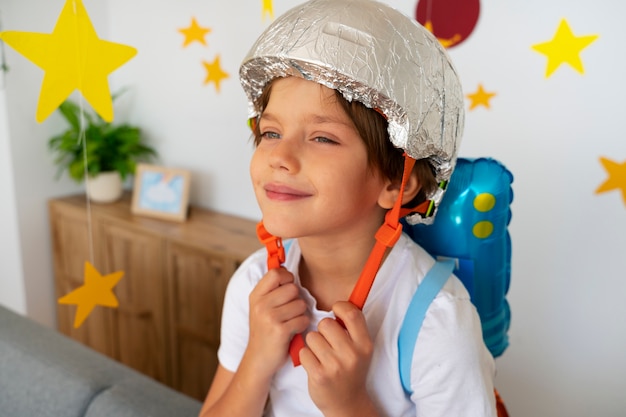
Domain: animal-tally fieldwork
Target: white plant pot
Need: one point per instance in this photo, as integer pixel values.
(105, 187)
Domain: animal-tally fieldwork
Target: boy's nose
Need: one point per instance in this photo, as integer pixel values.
(285, 155)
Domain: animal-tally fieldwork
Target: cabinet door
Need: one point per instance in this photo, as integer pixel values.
(197, 281)
(140, 319)
(71, 243)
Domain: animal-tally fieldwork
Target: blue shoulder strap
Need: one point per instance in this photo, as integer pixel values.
(412, 323)
(287, 245)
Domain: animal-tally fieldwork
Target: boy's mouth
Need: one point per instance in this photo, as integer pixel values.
(281, 192)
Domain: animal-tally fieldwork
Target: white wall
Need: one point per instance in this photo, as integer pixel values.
(193, 126)
(567, 338)
(12, 282)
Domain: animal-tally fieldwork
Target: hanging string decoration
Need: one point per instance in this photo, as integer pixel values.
(73, 57)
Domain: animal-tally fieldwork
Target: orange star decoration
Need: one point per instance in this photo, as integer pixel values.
(97, 290)
(564, 48)
(617, 177)
(268, 9)
(215, 73)
(480, 98)
(195, 33)
(73, 57)
(446, 43)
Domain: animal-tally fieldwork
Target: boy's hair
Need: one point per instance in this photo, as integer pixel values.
(382, 155)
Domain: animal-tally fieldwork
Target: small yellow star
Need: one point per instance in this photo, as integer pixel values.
(617, 177)
(480, 97)
(214, 72)
(267, 9)
(564, 48)
(73, 57)
(194, 32)
(97, 290)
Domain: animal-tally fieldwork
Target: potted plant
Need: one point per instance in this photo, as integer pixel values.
(109, 154)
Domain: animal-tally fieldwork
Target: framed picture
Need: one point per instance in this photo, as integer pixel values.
(161, 192)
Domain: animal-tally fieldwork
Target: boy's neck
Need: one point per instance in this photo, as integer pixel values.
(329, 272)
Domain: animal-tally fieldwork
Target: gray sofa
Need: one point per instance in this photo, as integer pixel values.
(45, 374)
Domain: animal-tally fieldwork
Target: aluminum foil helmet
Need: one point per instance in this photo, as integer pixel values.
(376, 55)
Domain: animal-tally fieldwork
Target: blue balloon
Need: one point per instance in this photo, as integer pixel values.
(471, 226)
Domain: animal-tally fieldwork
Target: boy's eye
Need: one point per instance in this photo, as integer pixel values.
(270, 135)
(322, 139)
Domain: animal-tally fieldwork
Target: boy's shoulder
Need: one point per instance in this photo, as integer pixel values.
(251, 270)
(418, 262)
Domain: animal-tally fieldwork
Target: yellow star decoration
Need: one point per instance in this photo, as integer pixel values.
(72, 57)
(617, 177)
(195, 33)
(480, 97)
(215, 72)
(564, 48)
(268, 9)
(97, 290)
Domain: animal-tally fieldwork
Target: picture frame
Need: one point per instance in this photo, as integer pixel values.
(161, 192)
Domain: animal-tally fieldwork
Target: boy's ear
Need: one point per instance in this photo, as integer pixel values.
(390, 191)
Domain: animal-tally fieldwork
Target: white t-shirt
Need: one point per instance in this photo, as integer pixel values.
(452, 370)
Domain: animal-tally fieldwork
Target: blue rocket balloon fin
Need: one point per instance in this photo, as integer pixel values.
(471, 227)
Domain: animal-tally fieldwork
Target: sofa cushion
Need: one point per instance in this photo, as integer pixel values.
(41, 387)
(43, 373)
(125, 400)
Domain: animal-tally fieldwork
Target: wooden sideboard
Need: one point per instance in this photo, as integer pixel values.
(167, 325)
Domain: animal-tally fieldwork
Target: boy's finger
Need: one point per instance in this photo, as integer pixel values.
(273, 279)
(285, 277)
(334, 335)
(353, 320)
(308, 359)
(318, 345)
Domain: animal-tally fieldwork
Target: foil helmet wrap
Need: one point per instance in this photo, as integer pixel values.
(373, 54)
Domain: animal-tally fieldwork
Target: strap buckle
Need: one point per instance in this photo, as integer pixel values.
(388, 234)
(274, 246)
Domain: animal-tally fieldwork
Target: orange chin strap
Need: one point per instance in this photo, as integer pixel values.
(275, 258)
(386, 236)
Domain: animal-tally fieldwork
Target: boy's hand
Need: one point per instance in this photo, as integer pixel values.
(337, 361)
(276, 313)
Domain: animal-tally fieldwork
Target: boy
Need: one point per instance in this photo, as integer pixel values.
(340, 90)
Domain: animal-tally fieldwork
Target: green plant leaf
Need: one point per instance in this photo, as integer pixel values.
(106, 147)
(71, 112)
